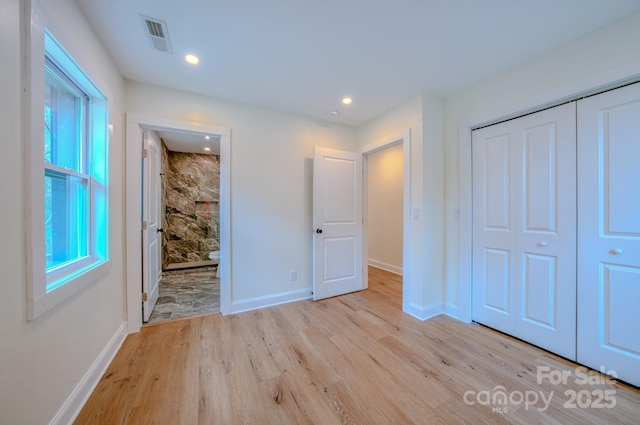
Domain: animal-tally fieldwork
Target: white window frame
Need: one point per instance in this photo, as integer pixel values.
(46, 290)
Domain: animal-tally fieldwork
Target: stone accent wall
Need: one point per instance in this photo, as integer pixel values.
(192, 213)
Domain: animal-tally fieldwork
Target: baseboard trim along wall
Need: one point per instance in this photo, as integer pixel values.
(270, 300)
(385, 266)
(451, 311)
(426, 312)
(79, 396)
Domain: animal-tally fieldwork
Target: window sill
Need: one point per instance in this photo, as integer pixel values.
(74, 283)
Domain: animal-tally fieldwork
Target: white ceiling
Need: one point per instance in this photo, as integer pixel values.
(302, 56)
(178, 141)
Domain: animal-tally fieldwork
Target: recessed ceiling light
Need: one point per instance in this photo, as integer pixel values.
(333, 113)
(207, 149)
(347, 100)
(192, 59)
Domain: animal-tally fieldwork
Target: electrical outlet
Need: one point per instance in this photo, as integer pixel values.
(293, 275)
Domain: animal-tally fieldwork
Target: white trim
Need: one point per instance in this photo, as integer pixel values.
(465, 285)
(426, 312)
(270, 300)
(385, 266)
(80, 394)
(43, 40)
(408, 282)
(451, 310)
(134, 125)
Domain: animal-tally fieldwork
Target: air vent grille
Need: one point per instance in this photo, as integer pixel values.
(158, 34)
(155, 28)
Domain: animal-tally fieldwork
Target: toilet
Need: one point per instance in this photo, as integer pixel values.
(215, 257)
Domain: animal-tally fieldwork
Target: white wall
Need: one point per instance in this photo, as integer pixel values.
(385, 190)
(271, 159)
(607, 55)
(41, 362)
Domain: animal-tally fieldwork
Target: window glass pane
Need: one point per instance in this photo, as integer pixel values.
(65, 209)
(63, 114)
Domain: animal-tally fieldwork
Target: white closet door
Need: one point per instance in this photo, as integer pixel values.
(609, 232)
(494, 227)
(546, 218)
(524, 232)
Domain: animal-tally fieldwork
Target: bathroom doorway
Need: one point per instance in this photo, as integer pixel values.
(189, 180)
(217, 267)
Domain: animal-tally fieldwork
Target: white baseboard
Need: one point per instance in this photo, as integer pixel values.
(385, 266)
(79, 396)
(270, 300)
(426, 312)
(451, 311)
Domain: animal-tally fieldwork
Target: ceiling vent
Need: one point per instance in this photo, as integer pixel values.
(158, 33)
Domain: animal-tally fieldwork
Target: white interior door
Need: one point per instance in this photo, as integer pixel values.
(338, 223)
(609, 232)
(524, 232)
(151, 253)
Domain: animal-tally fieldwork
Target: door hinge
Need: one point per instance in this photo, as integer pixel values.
(145, 297)
(145, 153)
(144, 225)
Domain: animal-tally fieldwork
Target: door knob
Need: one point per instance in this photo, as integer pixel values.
(616, 251)
(318, 230)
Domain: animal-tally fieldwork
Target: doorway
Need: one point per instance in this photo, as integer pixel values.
(395, 151)
(341, 197)
(136, 124)
(384, 197)
(189, 232)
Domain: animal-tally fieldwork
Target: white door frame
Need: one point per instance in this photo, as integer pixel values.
(133, 208)
(404, 138)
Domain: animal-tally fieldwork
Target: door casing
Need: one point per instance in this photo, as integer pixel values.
(135, 124)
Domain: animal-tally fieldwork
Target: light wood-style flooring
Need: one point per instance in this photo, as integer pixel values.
(353, 359)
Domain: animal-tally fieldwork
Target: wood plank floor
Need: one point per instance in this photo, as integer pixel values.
(354, 359)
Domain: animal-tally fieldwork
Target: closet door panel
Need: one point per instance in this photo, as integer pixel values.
(609, 232)
(620, 163)
(539, 273)
(539, 179)
(546, 235)
(494, 271)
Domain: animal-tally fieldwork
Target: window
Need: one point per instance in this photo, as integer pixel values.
(65, 180)
(68, 244)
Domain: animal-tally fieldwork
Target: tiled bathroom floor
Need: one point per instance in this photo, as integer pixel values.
(188, 292)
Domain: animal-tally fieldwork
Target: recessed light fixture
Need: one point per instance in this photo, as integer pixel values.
(333, 113)
(346, 100)
(192, 59)
(207, 149)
